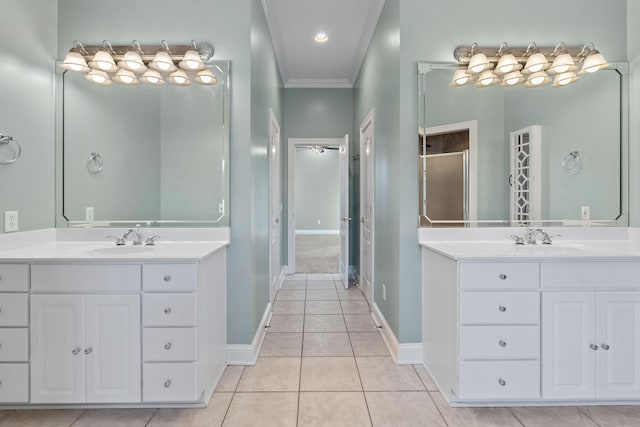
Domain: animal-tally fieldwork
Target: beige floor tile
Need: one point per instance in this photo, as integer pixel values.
(40, 418)
(322, 295)
(210, 416)
(5, 413)
(404, 408)
(323, 307)
(297, 276)
(351, 295)
(477, 417)
(360, 323)
(426, 378)
(271, 374)
(282, 344)
(323, 409)
(337, 277)
(355, 307)
(115, 418)
(324, 323)
(329, 374)
(368, 344)
(609, 416)
(328, 285)
(557, 416)
(383, 374)
(326, 344)
(294, 284)
(286, 323)
(288, 307)
(262, 409)
(316, 277)
(229, 380)
(290, 295)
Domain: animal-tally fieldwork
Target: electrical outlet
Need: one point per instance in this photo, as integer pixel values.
(318, 222)
(586, 212)
(384, 292)
(10, 221)
(88, 213)
(221, 207)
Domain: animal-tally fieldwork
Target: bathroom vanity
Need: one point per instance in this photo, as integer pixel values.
(90, 323)
(507, 324)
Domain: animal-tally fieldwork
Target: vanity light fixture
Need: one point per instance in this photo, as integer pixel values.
(528, 66)
(142, 63)
(321, 38)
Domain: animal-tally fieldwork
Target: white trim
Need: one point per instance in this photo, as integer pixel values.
(276, 42)
(365, 39)
(403, 354)
(247, 354)
(318, 83)
(275, 212)
(319, 232)
(366, 123)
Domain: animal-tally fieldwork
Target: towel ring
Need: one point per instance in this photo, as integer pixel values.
(572, 162)
(17, 149)
(95, 163)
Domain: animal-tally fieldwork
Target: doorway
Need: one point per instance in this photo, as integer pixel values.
(367, 207)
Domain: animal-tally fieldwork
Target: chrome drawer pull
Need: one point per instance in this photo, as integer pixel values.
(503, 276)
(0, 345)
(502, 308)
(167, 383)
(88, 351)
(167, 310)
(76, 350)
(605, 346)
(0, 309)
(167, 278)
(502, 382)
(167, 346)
(593, 347)
(502, 343)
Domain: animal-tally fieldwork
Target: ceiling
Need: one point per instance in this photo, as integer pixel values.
(349, 24)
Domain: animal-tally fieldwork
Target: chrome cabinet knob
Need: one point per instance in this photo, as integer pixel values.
(593, 347)
(167, 310)
(167, 278)
(502, 343)
(167, 346)
(167, 383)
(503, 276)
(605, 346)
(502, 382)
(502, 308)
(0, 277)
(0, 309)
(88, 350)
(76, 350)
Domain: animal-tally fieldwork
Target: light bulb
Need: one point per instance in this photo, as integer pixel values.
(163, 62)
(512, 78)
(461, 78)
(507, 64)
(206, 77)
(126, 77)
(74, 61)
(192, 61)
(99, 77)
(132, 61)
(479, 63)
(152, 77)
(103, 60)
(536, 63)
(179, 78)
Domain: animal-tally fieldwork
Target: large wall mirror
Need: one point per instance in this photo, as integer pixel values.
(522, 156)
(137, 154)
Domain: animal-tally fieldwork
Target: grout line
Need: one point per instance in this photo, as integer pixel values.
(587, 415)
(79, 416)
(436, 406)
(151, 417)
(228, 407)
(513, 414)
(304, 311)
(366, 402)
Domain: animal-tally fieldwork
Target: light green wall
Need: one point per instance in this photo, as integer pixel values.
(633, 12)
(27, 55)
(317, 190)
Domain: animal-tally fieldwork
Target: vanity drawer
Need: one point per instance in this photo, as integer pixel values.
(170, 344)
(499, 275)
(590, 275)
(499, 308)
(14, 309)
(169, 309)
(169, 277)
(85, 277)
(503, 380)
(14, 382)
(14, 278)
(500, 342)
(14, 345)
(170, 382)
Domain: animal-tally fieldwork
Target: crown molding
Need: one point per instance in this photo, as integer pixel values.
(365, 39)
(276, 41)
(318, 83)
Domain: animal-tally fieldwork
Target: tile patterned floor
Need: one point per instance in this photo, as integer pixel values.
(324, 363)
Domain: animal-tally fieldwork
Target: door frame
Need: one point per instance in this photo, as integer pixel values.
(274, 186)
(292, 143)
(371, 173)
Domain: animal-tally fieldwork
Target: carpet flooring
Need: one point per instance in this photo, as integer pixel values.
(317, 253)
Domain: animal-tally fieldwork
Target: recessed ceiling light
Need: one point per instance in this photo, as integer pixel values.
(321, 37)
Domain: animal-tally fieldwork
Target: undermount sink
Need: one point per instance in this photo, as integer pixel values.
(553, 249)
(122, 250)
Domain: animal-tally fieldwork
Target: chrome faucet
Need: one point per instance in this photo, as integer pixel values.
(531, 237)
(137, 237)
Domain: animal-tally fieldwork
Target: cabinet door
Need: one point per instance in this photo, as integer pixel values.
(568, 332)
(57, 349)
(113, 346)
(618, 355)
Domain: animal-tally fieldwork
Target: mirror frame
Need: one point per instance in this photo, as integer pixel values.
(622, 219)
(61, 221)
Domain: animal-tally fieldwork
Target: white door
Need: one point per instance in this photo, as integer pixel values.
(367, 207)
(618, 339)
(568, 343)
(274, 205)
(345, 219)
(113, 348)
(57, 349)
(525, 181)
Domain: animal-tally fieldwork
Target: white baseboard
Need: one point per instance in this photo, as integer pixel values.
(283, 273)
(247, 354)
(317, 232)
(403, 354)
